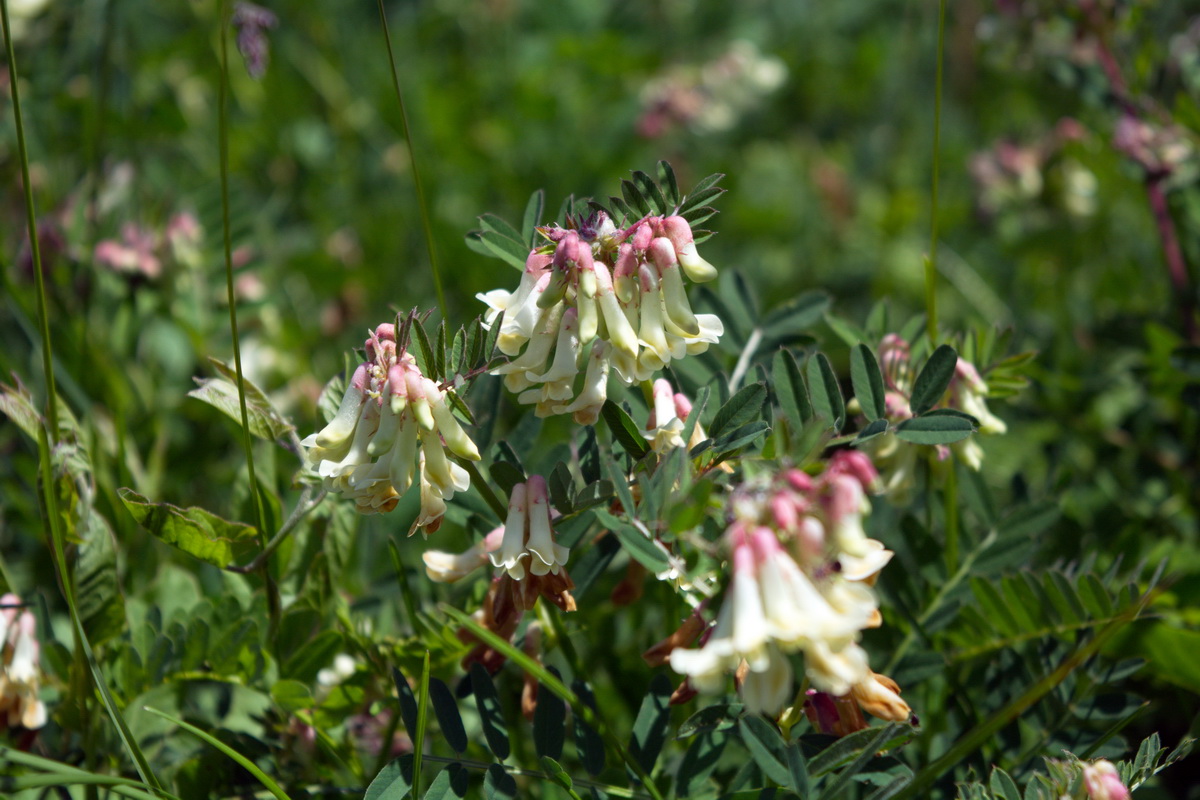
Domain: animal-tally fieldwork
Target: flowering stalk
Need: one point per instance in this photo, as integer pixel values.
(613, 300)
(802, 567)
(392, 422)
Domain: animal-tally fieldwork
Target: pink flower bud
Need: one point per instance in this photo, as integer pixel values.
(642, 237)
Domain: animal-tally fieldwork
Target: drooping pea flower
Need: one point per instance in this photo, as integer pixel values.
(788, 591)
(604, 301)
(966, 393)
(20, 675)
(393, 422)
(529, 564)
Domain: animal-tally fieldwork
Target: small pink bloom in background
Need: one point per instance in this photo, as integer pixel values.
(134, 254)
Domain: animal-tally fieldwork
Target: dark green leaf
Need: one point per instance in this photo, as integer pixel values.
(498, 784)
(512, 251)
(426, 359)
(934, 430)
(593, 495)
(533, 217)
(408, 702)
(790, 389)
(798, 769)
(265, 420)
(650, 727)
(393, 781)
(640, 546)
(439, 351)
(741, 408)
(562, 487)
(711, 719)
(588, 744)
(100, 604)
(699, 762)
(492, 222)
(495, 731)
(871, 430)
(869, 749)
(450, 782)
(556, 773)
(650, 190)
(549, 722)
(506, 475)
(933, 379)
(1003, 786)
(446, 708)
(624, 430)
(766, 747)
(846, 749)
(700, 197)
(666, 176)
(826, 394)
(868, 382)
(740, 437)
(197, 532)
(292, 696)
(489, 343)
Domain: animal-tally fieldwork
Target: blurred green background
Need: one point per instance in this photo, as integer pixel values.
(820, 114)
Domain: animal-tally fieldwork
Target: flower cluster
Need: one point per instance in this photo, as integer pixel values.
(802, 570)
(20, 675)
(619, 292)
(392, 419)
(529, 564)
(967, 393)
(1103, 782)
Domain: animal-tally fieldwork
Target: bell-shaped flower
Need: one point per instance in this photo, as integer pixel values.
(768, 690)
(20, 673)
(547, 556)
(664, 428)
(571, 298)
(969, 391)
(679, 232)
(442, 567)
(879, 696)
(512, 551)
(586, 407)
(392, 418)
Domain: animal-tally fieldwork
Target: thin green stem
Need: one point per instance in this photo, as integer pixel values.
(304, 505)
(987, 729)
(931, 320)
(950, 504)
(581, 710)
(422, 722)
(422, 202)
(248, 440)
(35, 248)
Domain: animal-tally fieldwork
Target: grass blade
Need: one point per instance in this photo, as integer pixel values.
(250, 766)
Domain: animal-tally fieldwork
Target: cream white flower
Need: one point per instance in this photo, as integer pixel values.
(20, 674)
(571, 297)
(528, 544)
(442, 567)
(392, 418)
(664, 429)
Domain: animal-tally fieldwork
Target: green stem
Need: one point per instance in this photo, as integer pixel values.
(223, 145)
(35, 247)
(306, 504)
(581, 710)
(950, 504)
(990, 727)
(931, 259)
(422, 203)
(422, 722)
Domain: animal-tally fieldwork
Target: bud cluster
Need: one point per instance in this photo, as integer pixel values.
(20, 675)
(802, 574)
(621, 292)
(392, 419)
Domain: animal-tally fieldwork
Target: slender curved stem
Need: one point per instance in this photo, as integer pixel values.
(306, 504)
(35, 248)
(931, 318)
(422, 202)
